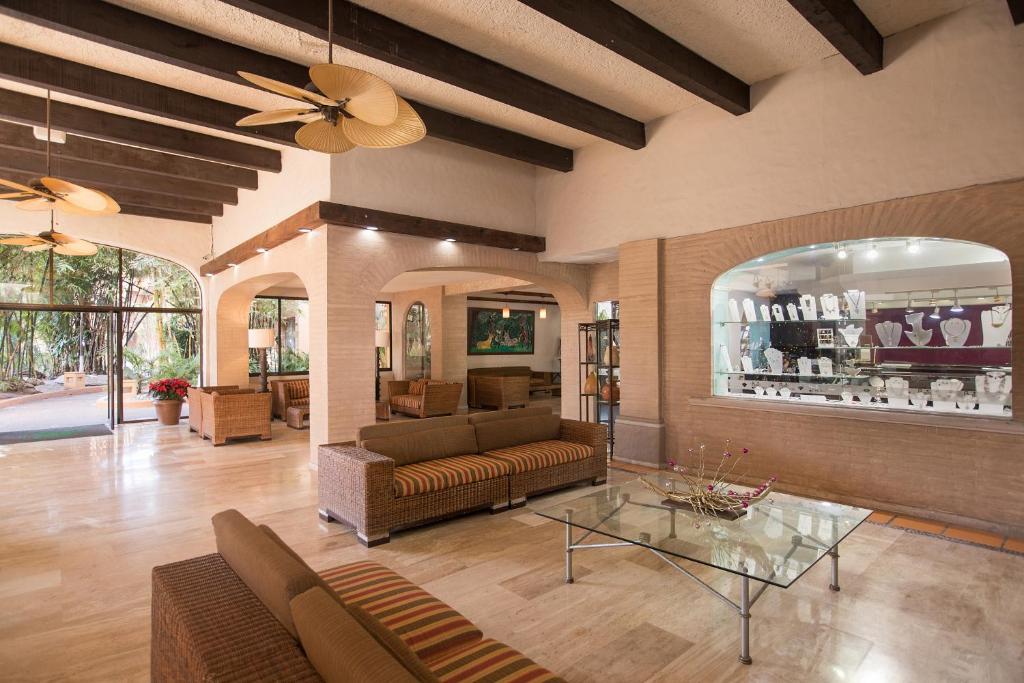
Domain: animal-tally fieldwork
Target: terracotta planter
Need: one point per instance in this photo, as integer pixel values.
(610, 391)
(167, 412)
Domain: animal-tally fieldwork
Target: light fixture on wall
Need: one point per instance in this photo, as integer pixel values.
(957, 308)
(371, 228)
(910, 305)
(449, 239)
(542, 313)
(305, 230)
(841, 251)
(505, 311)
(998, 298)
(261, 250)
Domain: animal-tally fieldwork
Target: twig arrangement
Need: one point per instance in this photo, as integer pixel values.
(708, 495)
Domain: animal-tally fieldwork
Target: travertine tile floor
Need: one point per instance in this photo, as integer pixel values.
(83, 521)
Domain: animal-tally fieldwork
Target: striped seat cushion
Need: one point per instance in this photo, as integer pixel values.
(407, 401)
(443, 473)
(428, 626)
(540, 454)
(489, 661)
(299, 402)
(298, 389)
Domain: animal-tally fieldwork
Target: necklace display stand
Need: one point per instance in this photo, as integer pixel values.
(825, 366)
(993, 389)
(897, 392)
(777, 313)
(955, 331)
(996, 324)
(829, 307)
(748, 310)
(917, 335)
(889, 333)
(944, 393)
(774, 358)
(856, 303)
(766, 313)
(734, 311)
(793, 312)
(724, 359)
(746, 363)
(809, 307)
(851, 335)
(804, 366)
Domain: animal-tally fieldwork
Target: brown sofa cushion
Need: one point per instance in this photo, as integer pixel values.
(376, 431)
(395, 645)
(511, 414)
(274, 575)
(339, 648)
(491, 436)
(416, 387)
(298, 389)
(408, 449)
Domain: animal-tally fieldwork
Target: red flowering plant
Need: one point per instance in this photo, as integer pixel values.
(708, 491)
(169, 389)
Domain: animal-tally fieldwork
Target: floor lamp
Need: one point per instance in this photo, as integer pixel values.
(261, 340)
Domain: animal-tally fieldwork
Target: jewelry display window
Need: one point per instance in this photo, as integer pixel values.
(910, 324)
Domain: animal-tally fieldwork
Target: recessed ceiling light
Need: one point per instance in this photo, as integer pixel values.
(372, 228)
(232, 265)
(515, 248)
(261, 250)
(760, 260)
(209, 274)
(305, 229)
(449, 239)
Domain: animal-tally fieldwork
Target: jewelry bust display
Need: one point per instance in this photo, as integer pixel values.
(996, 324)
(805, 366)
(765, 314)
(851, 335)
(889, 333)
(829, 307)
(917, 335)
(809, 307)
(825, 366)
(856, 303)
(793, 311)
(774, 358)
(955, 331)
(734, 311)
(748, 311)
(777, 313)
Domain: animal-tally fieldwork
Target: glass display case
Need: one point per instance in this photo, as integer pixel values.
(886, 324)
(600, 374)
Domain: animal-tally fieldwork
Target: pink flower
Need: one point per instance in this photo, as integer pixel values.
(671, 463)
(746, 450)
(744, 504)
(710, 487)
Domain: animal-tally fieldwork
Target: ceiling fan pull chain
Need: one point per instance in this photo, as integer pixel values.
(330, 31)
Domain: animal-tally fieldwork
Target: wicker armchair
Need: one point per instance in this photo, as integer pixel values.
(502, 392)
(195, 405)
(435, 398)
(226, 416)
(288, 393)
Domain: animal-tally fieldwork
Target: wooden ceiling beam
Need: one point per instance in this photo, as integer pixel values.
(141, 198)
(848, 29)
(31, 110)
(117, 27)
(375, 35)
(87, 173)
(1016, 11)
(61, 75)
(604, 22)
(18, 137)
(150, 212)
(342, 215)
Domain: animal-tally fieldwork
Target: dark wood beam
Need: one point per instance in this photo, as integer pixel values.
(342, 215)
(1016, 11)
(27, 109)
(847, 28)
(148, 212)
(141, 198)
(375, 35)
(139, 34)
(512, 301)
(61, 75)
(19, 137)
(87, 173)
(618, 30)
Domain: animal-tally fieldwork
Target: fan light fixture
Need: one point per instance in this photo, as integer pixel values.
(48, 193)
(342, 108)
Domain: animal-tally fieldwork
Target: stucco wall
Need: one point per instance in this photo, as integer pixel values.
(947, 111)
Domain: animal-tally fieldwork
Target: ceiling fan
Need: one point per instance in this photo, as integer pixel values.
(343, 107)
(48, 193)
(58, 242)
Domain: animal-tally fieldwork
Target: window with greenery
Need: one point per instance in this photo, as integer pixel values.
(382, 334)
(417, 342)
(289, 318)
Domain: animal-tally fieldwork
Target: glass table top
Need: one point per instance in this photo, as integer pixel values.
(779, 538)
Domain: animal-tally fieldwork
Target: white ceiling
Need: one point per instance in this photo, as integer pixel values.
(754, 39)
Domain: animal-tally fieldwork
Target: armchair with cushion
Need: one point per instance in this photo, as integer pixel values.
(227, 416)
(502, 393)
(288, 393)
(424, 397)
(195, 405)
(404, 474)
(254, 611)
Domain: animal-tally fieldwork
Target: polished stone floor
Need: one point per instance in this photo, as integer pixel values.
(82, 522)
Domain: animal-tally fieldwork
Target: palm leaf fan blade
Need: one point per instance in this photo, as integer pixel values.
(286, 89)
(21, 241)
(321, 136)
(39, 247)
(84, 198)
(41, 203)
(263, 118)
(76, 248)
(24, 189)
(406, 129)
(367, 97)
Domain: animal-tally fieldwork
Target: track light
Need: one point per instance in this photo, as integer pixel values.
(935, 314)
(305, 230)
(957, 308)
(449, 239)
(261, 250)
(910, 307)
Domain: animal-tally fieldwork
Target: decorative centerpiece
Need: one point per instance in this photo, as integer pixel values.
(168, 395)
(705, 492)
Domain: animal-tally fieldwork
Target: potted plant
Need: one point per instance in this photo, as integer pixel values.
(168, 395)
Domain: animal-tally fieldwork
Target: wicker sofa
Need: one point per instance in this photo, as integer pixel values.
(408, 473)
(254, 611)
(288, 393)
(424, 397)
(195, 403)
(234, 415)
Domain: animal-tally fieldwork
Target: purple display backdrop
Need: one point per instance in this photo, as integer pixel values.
(908, 353)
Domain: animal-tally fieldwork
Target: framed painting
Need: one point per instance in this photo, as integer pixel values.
(489, 334)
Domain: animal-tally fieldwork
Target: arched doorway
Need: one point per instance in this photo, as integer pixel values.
(82, 337)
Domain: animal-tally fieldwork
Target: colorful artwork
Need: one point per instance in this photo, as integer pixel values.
(489, 334)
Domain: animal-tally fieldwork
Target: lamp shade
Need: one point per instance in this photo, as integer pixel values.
(381, 339)
(261, 339)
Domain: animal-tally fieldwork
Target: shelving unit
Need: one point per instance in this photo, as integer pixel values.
(599, 353)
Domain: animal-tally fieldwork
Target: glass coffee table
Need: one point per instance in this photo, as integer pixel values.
(774, 543)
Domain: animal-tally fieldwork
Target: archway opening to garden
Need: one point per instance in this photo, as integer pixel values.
(81, 338)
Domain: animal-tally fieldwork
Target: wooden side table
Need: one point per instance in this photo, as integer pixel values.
(296, 416)
(383, 410)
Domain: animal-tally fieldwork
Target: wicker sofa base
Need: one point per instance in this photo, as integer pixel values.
(523, 484)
